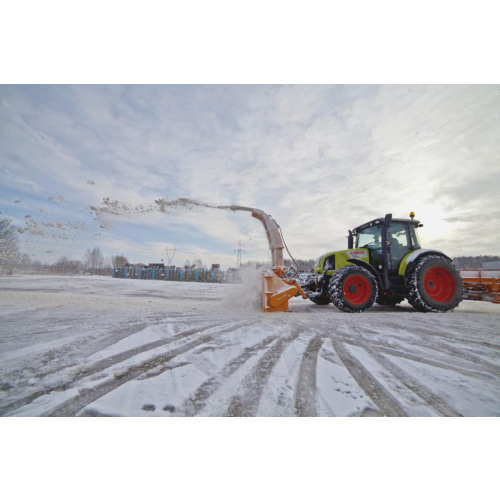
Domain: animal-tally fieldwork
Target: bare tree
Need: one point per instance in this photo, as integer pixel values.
(93, 260)
(474, 262)
(118, 260)
(66, 265)
(9, 246)
(24, 264)
(198, 263)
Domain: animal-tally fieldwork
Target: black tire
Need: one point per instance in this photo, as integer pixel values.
(321, 301)
(353, 289)
(434, 285)
(389, 301)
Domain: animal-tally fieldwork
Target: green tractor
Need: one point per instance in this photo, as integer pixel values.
(385, 264)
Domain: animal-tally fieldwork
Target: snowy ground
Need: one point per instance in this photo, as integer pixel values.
(94, 346)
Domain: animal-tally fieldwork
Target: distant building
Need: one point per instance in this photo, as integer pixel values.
(491, 265)
(215, 267)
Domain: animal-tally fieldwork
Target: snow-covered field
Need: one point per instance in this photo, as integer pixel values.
(92, 346)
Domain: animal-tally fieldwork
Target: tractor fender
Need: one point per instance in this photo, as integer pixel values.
(368, 267)
(411, 259)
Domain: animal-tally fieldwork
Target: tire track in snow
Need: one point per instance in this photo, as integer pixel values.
(431, 342)
(122, 356)
(76, 404)
(305, 395)
(477, 372)
(473, 370)
(204, 366)
(430, 398)
(387, 405)
(420, 390)
(441, 341)
(107, 363)
(198, 401)
(246, 402)
(73, 406)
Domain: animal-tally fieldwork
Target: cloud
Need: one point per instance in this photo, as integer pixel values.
(320, 159)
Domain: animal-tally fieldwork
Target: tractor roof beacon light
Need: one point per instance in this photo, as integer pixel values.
(412, 215)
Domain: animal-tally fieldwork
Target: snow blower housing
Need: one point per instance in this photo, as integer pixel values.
(384, 263)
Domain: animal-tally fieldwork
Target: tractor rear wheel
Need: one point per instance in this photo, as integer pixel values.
(434, 285)
(321, 301)
(353, 289)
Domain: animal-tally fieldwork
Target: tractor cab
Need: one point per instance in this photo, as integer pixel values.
(394, 237)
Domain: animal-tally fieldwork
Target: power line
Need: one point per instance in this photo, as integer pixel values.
(170, 254)
(239, 252)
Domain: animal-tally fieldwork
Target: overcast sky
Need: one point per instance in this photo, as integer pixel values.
(320, 159)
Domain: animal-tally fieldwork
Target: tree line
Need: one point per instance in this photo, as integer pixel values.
(474, 262)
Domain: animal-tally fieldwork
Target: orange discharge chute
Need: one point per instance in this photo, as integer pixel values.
(277, 290)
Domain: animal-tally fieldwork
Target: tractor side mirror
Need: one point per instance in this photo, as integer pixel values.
(388, 220)
(350, 241)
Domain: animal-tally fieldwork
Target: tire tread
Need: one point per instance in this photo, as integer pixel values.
(417, 299)
(335, 289)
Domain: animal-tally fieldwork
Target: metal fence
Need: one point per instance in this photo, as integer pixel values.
(202, 276)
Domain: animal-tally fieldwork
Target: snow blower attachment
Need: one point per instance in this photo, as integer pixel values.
(277, 289)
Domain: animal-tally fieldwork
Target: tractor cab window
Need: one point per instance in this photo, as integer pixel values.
(415, 241)
(397, 240)
(371, 237)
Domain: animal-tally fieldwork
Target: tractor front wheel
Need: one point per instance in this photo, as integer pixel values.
(353, 289)
(434, 285)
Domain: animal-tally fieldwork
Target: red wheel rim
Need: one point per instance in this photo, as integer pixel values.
(439, 284)
(357, 289)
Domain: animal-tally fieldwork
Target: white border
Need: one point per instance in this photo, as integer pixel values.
(250, 458)
(221, 41)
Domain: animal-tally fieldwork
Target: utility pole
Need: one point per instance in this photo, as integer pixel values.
(170, 254)
(239, 252)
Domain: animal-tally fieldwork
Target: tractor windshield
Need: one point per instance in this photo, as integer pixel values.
(415, 241)
(371, 237)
